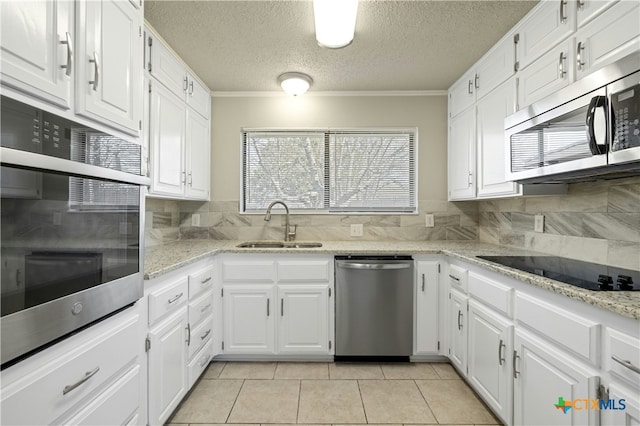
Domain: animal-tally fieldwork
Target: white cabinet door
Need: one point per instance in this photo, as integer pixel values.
(198, 162)
(303, 319)
(462, 155)
(589, 9)
(490, 344)
(167, 366)
(462, 94)
(616, 413)
(427, 308)
(550, 23)
(546, 379)
(249, 319)
(166, 136)
(492, 161)
(198, 97)
(458, 330)
(109, 60)
(36, 42)
(548, 74)
(598, 45)
(166, 68)
(495, 67)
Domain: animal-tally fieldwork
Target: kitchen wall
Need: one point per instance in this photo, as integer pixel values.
(219, 219)
(595, 221)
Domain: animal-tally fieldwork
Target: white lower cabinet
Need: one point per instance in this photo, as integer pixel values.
(489, 365)
(545, 378)
(167, 366)
(426, 307)
(458, 330)
(622, 406)
(303, 319)
(249, 319)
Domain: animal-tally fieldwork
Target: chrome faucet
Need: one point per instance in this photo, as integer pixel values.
(288, 235)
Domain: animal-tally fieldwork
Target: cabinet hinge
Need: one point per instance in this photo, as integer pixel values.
(223, 345)
(140, 124)
(147, 344)
(329, 292)
(140, 31)
(149, 86)
(603, 393)
(449, 351)
(438, 344)
(329, 344)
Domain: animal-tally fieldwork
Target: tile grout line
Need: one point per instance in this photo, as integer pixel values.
(235, 400)
(364, 410)
(299, 398)
(425, 400)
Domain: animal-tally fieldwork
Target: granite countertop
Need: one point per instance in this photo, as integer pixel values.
(164, 258)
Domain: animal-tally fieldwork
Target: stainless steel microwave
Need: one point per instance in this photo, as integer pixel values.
(70, 232)
(588, 130)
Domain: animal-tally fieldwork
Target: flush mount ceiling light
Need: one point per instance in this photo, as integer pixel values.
(295, 83)
(335, 22)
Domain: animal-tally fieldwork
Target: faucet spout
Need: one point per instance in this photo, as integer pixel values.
(288, 236)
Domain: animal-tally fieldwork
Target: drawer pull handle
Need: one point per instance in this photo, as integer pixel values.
(96, 72)
(176, 297)
(204, 336)
(515, 369)
(68, 65)
(500, 356)
(206, 280)
(454, 278)
(625, 363)
(459, 318)
(87, 376)
(205, 308)
(205, 361)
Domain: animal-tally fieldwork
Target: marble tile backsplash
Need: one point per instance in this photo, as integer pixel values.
(168, 220)
(594, 221)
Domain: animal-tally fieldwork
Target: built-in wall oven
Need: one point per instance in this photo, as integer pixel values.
(71, 204)
(590, 129)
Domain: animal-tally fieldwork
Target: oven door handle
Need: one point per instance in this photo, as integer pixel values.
(596, 102)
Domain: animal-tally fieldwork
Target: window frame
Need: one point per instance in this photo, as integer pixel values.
(413, 131)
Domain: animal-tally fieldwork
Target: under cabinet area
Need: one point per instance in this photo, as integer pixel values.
(279, 304)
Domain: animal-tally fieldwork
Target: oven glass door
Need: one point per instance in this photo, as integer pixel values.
(63, 234)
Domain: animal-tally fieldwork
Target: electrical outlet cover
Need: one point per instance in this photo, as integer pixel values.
(356, 230)
(539, 223)
(195, 219)
(429, 221)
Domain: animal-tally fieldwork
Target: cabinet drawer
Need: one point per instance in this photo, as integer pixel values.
(575, 333)
(200, 281)
(492, 293)
(168, 298)
(458, 277)
(115, 406)
(200, 335)
(200, 362)
(46, 393)
(200, 308)
(296, 271)
(624, 356)
(249, 271)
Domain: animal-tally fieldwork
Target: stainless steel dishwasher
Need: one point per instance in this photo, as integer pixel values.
(374, 306)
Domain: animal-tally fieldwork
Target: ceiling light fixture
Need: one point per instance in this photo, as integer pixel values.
(335, 22)
(295, 83)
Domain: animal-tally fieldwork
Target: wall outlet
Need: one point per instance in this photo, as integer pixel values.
(429, 221)
(538, 225)
(356, 230)
(195, 219)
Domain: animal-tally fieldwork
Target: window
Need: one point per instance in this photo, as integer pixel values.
(330, 171)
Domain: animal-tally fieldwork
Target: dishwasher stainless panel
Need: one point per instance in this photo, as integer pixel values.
(374, 306)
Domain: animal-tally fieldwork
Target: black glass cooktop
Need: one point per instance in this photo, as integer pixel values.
(591, 276)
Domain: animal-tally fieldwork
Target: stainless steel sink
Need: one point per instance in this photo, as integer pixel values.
(278, 244)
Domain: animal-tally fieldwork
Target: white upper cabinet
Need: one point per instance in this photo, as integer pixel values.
(462, 94)
(462, 155)
(197, 156)
(550, 23)
(198, 97)
(37, 41)
(492, 163)
(598, 45)
(109, 63)
(495, 67)
(589, 9)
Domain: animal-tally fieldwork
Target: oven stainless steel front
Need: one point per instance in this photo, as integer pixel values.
(589, 129)
(71, 231)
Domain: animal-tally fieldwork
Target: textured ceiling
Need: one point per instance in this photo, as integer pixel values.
(399, 45)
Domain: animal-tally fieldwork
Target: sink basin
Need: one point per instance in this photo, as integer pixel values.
(278, 244)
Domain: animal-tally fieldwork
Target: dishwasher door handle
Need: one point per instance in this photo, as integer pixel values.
(374, 265)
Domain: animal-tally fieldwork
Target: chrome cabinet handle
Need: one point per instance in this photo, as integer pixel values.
(454, 278)
(96, 71)
(67, 66)
(205, 308)
(516, 40)
(459, 318)
(374, 265)
(87, 376)
(267, 307)
(190, 179)
(281, 307)
(563, 16)
(561, 64)
(206, 280)
(501, 345)
(186, 85)
(477, 81)
(423, 283)
(580, 5)
(515, 370)
(205, 361)
(470, 87)
(191, 88)
(204, 336)
(176, 297)
(184, 178)
(188, 328)
(625, 363)
(579, 61)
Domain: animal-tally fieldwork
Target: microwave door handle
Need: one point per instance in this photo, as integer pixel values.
(596, 102)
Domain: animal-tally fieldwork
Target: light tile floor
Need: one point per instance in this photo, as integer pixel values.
(281, 393)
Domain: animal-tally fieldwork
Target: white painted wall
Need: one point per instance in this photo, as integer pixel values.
(427, 113)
